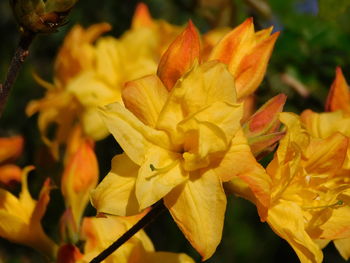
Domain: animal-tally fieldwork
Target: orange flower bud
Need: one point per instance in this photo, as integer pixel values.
(339, 95)
(80, 176)
(246, 53)
(262, 128)
(180, 56)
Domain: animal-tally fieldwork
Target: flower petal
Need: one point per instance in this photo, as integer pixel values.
(343, 247)
(239, 161)
(215, 125)
(286, 220)
(198, 208)
(158, 175)
(116, 193)
(326, 156)
(133, 136)
(196, 91)
(145, 98)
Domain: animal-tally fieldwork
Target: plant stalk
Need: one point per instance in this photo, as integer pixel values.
(20, 55)
(156, 210)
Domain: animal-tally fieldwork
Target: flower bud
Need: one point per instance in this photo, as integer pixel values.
(38, 16)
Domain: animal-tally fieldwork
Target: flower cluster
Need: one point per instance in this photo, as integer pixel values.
(180, 106)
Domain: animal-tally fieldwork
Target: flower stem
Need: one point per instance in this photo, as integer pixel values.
(16, 63)
(148, 218)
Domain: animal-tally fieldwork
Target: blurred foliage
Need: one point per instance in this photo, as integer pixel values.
(315, 38)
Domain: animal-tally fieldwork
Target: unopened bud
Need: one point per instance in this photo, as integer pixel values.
(40, 16)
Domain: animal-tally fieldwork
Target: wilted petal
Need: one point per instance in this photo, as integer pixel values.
(145, 98)
(180, 56)
(116, 193)
(339, 94)
(198, 208)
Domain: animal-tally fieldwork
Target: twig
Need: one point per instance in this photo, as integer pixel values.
(16, 63)
(148, 218)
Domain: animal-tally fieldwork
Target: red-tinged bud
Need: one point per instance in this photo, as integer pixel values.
(262, 128)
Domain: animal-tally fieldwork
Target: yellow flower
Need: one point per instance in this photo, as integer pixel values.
(90, 71)
(309, 199)
(180, 146)
(99, 233)
(20, 217)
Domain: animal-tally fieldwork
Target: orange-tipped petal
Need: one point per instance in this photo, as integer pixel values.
(180, 56)
(265, 120)
(339, 95)
(10, 148)
(246, 53)
(142, 17)
(225, 50)
(80, 176)
(44, 199)
(253, 67)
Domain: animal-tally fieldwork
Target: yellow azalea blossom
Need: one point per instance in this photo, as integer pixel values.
(99, 233)
(309, 197)
(181, 146)
(90, 71)
(10, 149)
(20, 217)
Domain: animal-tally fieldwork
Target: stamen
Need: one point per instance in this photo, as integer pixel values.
(338, 203)
(163, 169)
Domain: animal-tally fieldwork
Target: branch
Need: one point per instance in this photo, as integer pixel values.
(15, 66)
(148, 218)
